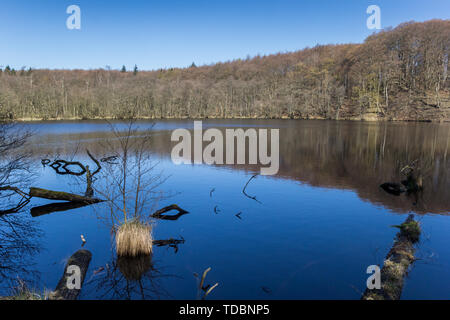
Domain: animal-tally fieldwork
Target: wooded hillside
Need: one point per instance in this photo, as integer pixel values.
(399, 74)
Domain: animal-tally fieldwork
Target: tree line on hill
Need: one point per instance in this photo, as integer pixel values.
(396, 74)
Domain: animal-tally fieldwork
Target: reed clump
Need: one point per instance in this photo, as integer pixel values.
(134, 239)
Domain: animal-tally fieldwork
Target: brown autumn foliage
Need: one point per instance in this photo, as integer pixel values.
(398, 74)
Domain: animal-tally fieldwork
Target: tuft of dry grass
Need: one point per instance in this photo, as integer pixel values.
(21, 292)
(134, 239)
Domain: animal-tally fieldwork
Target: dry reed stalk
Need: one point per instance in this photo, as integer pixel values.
(134, 239)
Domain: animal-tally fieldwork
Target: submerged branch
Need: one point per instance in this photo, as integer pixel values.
(171, 243)
(245, 187)
(160, 213)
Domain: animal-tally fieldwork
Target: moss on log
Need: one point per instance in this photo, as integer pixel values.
(59, 195)
(397, 262)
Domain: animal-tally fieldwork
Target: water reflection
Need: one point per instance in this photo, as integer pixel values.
(19, 244)
(56, 207)
(128, 278)
(357, 156)
(274, 244)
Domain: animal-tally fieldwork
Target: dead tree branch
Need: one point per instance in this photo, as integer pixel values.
(160, 213)
(60, 195)
(245, 187)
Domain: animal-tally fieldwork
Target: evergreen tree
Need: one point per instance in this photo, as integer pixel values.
(124, 69)
(135, 71)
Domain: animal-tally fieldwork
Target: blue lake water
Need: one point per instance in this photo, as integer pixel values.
(321, 221)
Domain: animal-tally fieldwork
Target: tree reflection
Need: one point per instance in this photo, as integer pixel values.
(128, 278)
(18, 246)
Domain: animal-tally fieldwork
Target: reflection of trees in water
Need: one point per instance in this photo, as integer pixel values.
(18, 246)
(346, 155)
(128, 278)
(361, 156)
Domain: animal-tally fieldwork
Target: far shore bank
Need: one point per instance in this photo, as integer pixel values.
(363, 119)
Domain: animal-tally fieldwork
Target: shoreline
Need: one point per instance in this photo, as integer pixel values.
(355, 119)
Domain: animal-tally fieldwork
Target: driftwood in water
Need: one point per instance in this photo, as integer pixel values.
(89, 190)
(80, 259)
(99, 167)
(89, 176)
(59, 195)
(245, 187)
(75, 201)
(109, 160)
(397, 262)
(171, 243)
(393, 188)
(160, 213)
(411, 185)
(62, 167)
(56, 207)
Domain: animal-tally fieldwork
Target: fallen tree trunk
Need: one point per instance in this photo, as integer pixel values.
(80, 259)
(397, 262)
(59, 195)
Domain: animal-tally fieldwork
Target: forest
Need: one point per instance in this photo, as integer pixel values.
(395, 74)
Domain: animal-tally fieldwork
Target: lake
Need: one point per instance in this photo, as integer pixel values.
(315, 228)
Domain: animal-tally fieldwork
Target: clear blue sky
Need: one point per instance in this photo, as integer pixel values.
(160, 34)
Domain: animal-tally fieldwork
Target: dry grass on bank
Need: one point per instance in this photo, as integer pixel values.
(21, 292)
